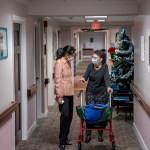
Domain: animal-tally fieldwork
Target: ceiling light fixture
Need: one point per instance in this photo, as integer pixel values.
(97, 20)
(88, 17)
(46, 18)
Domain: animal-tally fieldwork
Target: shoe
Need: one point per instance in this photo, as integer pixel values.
(68, 143)
(100, 139)
(87, 139)
(100, 136)
(61, 147)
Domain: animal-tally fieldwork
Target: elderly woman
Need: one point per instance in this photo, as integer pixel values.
(98, 86)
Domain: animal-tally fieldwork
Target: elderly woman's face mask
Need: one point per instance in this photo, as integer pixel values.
(94, 61)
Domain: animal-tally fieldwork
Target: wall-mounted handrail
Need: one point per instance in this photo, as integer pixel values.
(47, 81)
(140, 98)
(8, 111)
(32, 90)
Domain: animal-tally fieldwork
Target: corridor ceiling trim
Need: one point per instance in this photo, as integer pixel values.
(73, 12)
(80, 8)
(25, 2)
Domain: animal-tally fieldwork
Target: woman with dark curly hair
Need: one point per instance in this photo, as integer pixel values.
(64, 91)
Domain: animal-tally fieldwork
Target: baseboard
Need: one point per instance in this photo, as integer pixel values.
(32, 129)
(34, 124)
(144, 147)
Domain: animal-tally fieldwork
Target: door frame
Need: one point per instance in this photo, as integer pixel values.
(23, 75)
(38, 74)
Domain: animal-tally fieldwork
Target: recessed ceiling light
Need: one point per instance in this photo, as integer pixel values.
(86, 17)
(96, 20)
(47, 18)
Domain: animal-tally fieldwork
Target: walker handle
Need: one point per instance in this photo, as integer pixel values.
(80, 94)
(109, 99)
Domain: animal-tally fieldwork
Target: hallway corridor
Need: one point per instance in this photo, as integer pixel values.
(45, 137)
(31, 31)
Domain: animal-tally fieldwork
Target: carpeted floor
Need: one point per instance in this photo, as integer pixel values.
(45, 137)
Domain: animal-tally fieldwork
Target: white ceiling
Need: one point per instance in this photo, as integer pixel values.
(72, 12)
(138, 1)
(80, 20)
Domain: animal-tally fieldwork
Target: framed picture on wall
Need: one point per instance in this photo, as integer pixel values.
(54, 45)
(143, 48)
(3, 43)
(91, 40)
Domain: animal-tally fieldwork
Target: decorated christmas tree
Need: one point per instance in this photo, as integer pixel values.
(122, 70)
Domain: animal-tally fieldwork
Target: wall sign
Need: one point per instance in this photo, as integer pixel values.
(3, 43)
(91, 40)
(148, 53)
(54, 44)
(142, 48)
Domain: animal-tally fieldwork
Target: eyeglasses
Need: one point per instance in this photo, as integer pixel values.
(94, 57)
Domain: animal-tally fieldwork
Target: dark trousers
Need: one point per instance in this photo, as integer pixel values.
(66, 110)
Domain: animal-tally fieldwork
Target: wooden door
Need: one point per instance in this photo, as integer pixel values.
(17, 72)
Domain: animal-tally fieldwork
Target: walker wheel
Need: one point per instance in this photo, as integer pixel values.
(113, 145)
(79, 146)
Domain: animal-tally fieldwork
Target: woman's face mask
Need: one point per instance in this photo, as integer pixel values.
(94, 61)
(71, 59)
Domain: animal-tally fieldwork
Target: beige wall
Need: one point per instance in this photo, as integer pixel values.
(142, 79)
(65, 36)
(8, 9)
(98, 40)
